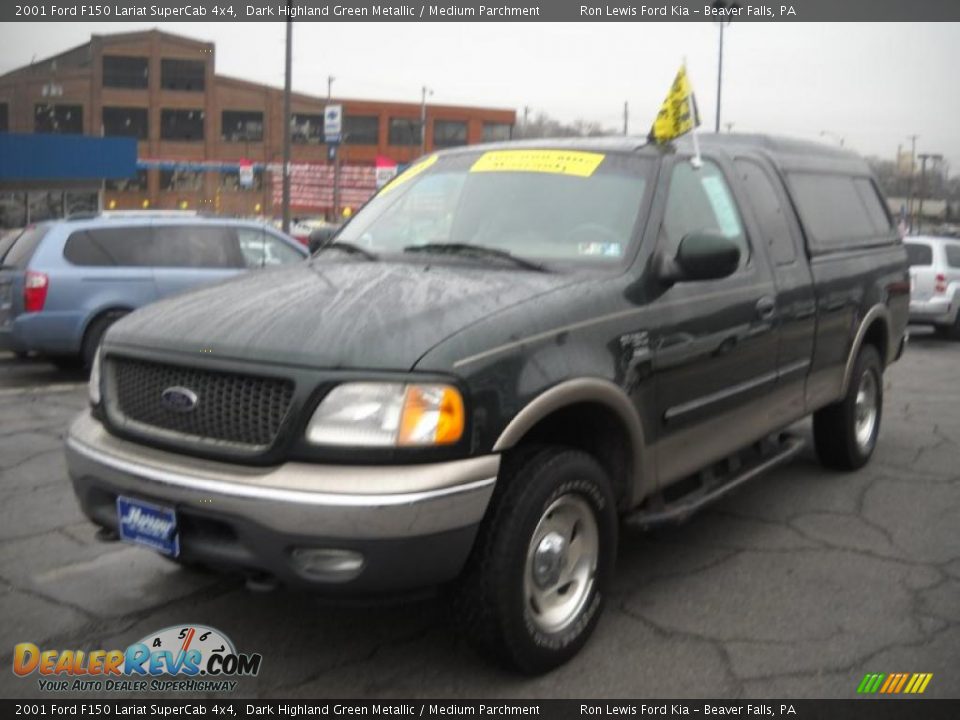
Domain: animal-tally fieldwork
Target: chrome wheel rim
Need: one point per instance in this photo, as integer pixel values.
(865, 410)
(561, 564)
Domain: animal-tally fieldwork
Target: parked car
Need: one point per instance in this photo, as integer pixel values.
(521, 346)
(935, 283)
(63, 283)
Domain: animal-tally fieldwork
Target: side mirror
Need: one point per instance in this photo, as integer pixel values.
(702, 255)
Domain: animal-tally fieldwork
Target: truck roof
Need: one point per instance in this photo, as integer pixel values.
(786, 152)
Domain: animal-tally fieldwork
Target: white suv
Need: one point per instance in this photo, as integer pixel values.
(935, 282)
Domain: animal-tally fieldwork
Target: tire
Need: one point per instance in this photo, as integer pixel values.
(842, 432)
(953, 331)
(535, 619)
(94, 334)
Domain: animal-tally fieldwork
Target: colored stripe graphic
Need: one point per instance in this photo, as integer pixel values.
(894, 683)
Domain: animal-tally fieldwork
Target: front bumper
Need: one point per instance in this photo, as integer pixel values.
(414, 525)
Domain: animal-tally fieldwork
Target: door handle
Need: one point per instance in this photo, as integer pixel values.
(766, 307)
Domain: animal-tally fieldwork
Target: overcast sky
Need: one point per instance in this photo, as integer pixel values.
(871, 83)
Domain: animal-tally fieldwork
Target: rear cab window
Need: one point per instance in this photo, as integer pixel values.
(919, 254)
(840, 212)
(21, 251)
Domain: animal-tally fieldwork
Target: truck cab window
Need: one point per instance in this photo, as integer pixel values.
(700, 199)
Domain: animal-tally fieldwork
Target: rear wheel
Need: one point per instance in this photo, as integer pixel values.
(536, 581)
(845, 433)
(94, 335)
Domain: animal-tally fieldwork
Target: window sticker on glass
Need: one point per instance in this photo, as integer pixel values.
(722, 203)
(557, 162)
(604, 249)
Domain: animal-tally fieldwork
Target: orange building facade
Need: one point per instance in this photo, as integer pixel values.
(196, 128)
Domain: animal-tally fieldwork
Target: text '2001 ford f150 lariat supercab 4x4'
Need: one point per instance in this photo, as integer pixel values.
(508, 352)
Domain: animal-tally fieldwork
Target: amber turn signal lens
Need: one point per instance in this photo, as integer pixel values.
(432, 415)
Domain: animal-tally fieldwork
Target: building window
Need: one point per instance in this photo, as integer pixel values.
(306, 129)
(181, 180)
(362, 129)
(241, 126)
(125, 72)
(181, 124)
(58, 119)
(449, 133)
(230, 181)
(189, 75)
(4, 118)
(137, 183)
(497, 132)
(404, 131)
(125, 122)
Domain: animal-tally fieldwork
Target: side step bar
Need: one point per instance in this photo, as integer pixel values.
(679, 510)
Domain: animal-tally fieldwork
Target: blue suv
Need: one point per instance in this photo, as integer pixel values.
(63, 283)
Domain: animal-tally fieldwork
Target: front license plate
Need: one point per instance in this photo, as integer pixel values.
(147, 524)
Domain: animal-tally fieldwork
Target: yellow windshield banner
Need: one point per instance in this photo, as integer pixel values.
(678, 115)
(408, 174)
(558, 162)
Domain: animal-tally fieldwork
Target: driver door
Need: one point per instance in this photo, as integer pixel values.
(715, 341)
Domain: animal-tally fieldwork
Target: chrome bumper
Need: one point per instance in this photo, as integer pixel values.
(300, 498)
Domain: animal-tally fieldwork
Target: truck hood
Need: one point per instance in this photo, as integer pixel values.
(349, 314)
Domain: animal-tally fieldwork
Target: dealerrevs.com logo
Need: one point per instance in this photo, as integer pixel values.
(184, 658)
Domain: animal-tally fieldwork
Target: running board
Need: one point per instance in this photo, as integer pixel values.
(679, 510)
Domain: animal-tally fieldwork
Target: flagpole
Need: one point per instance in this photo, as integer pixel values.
(696, 161)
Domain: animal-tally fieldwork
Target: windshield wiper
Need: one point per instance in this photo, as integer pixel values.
(478, 251)
(348, 248)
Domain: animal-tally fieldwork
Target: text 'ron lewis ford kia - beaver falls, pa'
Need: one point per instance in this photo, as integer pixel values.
(505, 354)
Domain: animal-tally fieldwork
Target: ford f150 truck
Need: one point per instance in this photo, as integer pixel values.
(508, 353)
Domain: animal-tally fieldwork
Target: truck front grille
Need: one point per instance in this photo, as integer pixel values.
(234, 409)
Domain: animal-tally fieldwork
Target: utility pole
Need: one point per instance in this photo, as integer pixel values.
(424, 91)
(923, 183)
(626, 118)
(913, 177)
(330, 79)
(286, 123)
(526, 119)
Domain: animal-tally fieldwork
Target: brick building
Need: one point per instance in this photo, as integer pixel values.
(194, 127)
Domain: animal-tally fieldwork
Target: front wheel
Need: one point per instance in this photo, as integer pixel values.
(845, 433)
(536, 581)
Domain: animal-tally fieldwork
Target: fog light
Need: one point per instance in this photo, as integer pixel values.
(328, 564)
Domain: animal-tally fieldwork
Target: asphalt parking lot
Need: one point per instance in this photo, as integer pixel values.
(795, 586)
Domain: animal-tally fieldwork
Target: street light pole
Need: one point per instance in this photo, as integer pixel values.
(424, 91)
(286, 122)
(721, 5)
(330, 79)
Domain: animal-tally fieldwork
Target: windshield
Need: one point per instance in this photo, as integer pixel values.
(538, 204)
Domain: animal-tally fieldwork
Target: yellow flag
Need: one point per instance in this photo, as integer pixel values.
(678, 115)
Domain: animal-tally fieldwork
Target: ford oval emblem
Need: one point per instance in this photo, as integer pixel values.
(179, 399)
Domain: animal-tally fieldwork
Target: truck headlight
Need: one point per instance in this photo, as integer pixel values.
(93, 387)
(375, 414)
